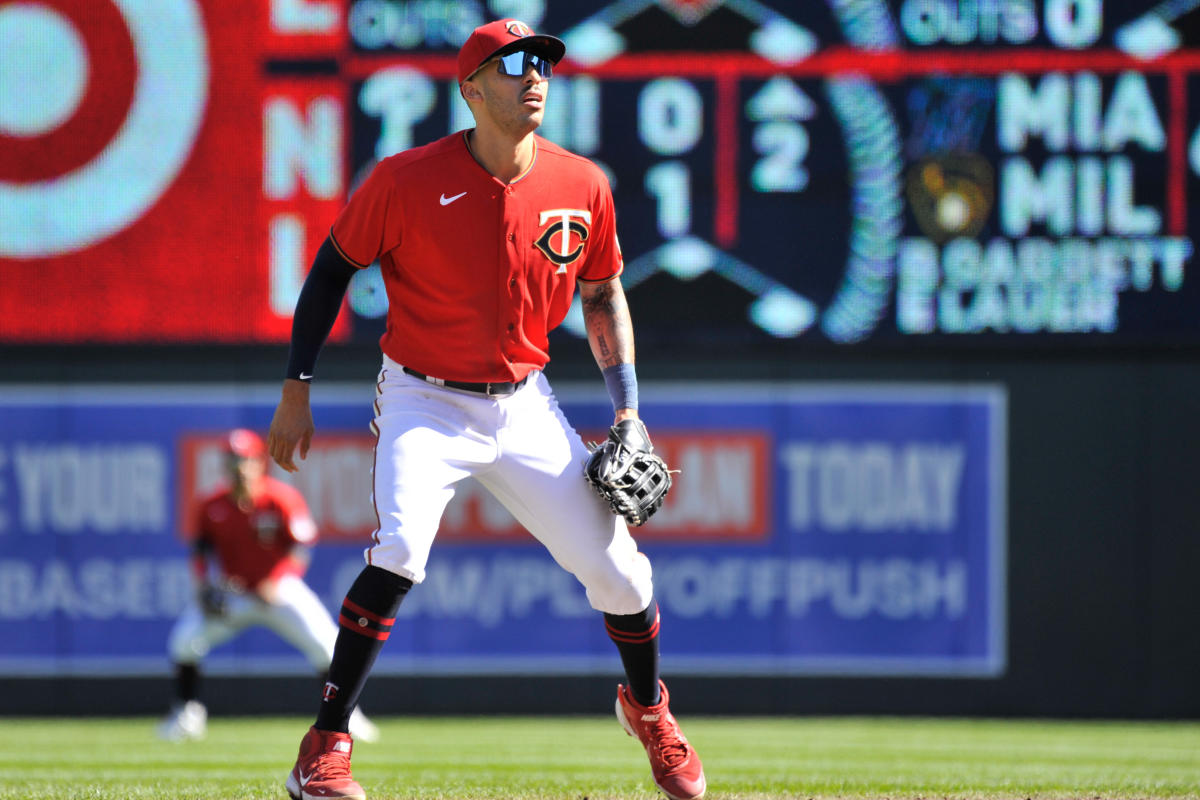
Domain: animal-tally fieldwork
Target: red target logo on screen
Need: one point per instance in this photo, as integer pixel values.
(100, 105)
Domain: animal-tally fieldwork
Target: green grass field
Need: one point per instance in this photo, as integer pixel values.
(590, 757)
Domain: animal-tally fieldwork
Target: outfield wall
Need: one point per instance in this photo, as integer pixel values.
(1059, 581)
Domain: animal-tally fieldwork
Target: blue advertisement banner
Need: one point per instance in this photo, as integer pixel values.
(813, 529)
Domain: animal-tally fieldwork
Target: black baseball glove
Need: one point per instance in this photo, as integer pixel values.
(214, 601)
(624, 470)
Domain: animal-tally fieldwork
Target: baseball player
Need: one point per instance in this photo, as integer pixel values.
(249, 546)
(482, 237)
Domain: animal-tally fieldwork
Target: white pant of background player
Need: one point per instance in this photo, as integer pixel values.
(297, 615)
(521, 448)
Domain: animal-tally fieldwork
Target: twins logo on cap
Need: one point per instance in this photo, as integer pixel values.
(518, 28)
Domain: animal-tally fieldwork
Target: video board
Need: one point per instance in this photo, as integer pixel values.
(788, 176)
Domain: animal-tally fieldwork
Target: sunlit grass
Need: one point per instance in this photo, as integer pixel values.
(590, 757)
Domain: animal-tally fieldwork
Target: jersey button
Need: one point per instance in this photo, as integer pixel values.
(512, 237)
(512, 282)
(510, 327)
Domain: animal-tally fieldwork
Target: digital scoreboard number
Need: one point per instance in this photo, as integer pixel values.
(812, 175)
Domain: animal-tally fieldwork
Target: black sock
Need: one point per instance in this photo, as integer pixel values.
(636, 638)
(187, 682)
(368, 613)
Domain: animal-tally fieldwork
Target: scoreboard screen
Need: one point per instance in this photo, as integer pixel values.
(904, 175)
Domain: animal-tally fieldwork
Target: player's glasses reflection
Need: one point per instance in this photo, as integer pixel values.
(515, 64)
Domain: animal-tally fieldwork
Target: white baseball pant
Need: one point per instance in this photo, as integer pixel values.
(298, 616)
(521, 448)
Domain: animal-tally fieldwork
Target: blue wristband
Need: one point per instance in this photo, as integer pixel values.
(621, 380)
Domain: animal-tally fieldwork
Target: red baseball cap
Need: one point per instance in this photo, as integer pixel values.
(245, 444)
(504, 36)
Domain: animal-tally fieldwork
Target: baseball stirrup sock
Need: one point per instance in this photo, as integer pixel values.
(187, 682)
(636, 638)
(365, 621)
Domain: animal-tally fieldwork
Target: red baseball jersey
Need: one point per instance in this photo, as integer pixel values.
(252, 543)
(477, 271)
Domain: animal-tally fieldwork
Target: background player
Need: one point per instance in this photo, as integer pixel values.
(482, 237)
(250, 544)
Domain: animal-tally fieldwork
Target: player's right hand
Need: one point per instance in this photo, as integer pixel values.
(292, 425)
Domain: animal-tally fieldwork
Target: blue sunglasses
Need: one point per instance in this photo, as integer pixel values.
(517, 62)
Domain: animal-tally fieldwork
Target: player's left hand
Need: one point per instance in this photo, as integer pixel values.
(267, 591)
(625, 471)
(624, 414)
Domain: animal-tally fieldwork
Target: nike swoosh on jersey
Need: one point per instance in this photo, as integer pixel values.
(448, 200)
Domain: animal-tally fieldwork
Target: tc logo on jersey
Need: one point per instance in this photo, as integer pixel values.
(556, 242)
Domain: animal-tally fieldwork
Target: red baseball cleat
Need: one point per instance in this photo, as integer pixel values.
(322, 769)
(673, 763)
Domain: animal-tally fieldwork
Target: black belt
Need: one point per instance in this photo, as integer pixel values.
(493, 389)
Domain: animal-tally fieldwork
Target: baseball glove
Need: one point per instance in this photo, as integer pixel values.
(624, 470)
(214, 601)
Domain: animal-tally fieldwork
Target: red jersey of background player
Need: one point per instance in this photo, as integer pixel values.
(478, 271)
(255, 541)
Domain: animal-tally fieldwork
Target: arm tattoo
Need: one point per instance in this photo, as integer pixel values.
(606, 315)
(598, 302)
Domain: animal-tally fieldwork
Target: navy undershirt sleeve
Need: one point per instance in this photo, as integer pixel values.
(317, 309)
